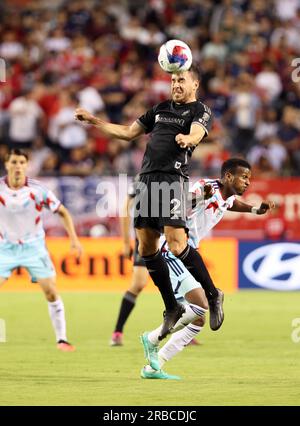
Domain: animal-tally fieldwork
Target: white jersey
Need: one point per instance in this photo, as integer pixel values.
(206, 213)
(21, 211)
(202, 217)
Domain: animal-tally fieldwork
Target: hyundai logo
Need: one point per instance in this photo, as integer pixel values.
(274, 266)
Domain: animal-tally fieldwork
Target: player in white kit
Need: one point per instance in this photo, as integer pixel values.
(210, 200)
(22, 236)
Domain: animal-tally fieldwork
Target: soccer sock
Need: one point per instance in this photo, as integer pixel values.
(177, 342)
(57, 315)
(192, 312)
(159, 272)
(126, 307)
(153, 335)
(193, 261)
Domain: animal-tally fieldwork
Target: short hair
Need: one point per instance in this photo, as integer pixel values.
(232, 164)
(16, 151)
(194, 70)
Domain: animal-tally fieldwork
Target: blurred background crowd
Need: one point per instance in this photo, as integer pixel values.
(102, 55)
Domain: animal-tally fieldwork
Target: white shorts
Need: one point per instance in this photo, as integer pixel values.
(182, 280)
(32, 256)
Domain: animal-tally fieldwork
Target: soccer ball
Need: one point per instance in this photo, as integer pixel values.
(175, 56)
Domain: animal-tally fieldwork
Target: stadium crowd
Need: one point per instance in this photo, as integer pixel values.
(103, 56)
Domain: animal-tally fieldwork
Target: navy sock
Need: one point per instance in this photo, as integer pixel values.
(193, 261)
(126, 307)
(159, 272)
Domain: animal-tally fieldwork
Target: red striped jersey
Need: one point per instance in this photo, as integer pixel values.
(206, 213)
(21, 211)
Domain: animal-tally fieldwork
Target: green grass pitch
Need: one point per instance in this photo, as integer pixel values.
(251, 360)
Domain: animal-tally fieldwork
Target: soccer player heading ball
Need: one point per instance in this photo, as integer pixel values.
(176, 126)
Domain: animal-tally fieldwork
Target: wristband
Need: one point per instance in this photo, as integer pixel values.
(254, 210)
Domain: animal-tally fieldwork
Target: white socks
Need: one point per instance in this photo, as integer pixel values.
(177, 342)
(192, 312)
(57, 315)
(153, 335)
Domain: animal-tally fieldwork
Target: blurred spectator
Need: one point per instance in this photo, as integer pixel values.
(79, 163)
(10, 48)
(273, 150)
(267, 126)
(262, 168)
(50, 166)
(65, 131)
(25, 118)
(245, 107)
(106, 54)
(179, 30)
(269, 83)
(286, 9)
(57, 41)
(90, 99)
(38, 155)
(289, 134)
(114, 97)
(216, 48)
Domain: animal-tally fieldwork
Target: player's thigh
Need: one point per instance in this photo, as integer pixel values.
(148, 241)
(8, 262)
(37, 261)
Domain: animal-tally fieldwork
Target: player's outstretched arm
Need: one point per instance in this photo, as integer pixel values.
(109, 129)
(240, 206)
(70, 229)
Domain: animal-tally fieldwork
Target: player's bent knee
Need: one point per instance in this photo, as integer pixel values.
(49, 289)
(136, 289)
(51, 295)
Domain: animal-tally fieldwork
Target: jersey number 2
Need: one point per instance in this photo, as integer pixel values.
(175, 211)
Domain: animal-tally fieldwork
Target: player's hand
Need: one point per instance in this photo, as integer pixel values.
(182, 140)
(83, 115)
(76, 248)
(208, 191)
(265, 206)
(127, 251)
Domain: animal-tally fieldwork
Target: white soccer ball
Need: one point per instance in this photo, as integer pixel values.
(175, 56)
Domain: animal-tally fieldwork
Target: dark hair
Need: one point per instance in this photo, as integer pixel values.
(232, 164)
(16, 151)
(195, 72)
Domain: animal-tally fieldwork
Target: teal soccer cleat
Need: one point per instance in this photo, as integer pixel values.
(146, 374)
(151, 351)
